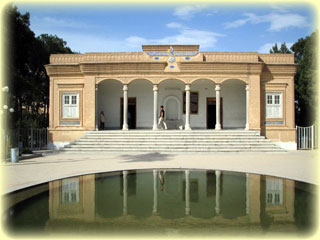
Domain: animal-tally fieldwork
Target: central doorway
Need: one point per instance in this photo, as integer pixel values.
(211, 112)
(132, 112)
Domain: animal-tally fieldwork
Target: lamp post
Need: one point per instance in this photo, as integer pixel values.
(6, 111)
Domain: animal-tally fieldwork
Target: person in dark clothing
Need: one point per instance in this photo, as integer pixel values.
(102, 119)
(161, 119)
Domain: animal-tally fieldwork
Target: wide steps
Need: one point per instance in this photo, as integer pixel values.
(175, 150)
(172, 141)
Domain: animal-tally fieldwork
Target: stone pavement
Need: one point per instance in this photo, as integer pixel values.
(298, 165)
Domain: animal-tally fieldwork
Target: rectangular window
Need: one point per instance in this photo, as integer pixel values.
(70, 109)
(66, 99)
(274, 188)
(70, 190)
(193, 102)
(274, 105)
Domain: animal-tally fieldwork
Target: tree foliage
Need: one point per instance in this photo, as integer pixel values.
(305, 79)
(305, 51)
(283, 49)
(27, 78)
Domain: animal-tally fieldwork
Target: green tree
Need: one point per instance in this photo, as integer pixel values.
(19, 40)
(283, 49)
(27, 78)
(305, 51)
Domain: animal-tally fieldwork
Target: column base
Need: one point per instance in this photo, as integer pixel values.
(187, 211)
(247, 127)
(125, 128)
(187, 127)
(217, 127)
(155, 127)
(217, 211)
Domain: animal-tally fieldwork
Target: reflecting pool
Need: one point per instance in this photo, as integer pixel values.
(164, 202)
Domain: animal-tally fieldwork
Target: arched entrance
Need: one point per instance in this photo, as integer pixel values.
(233, 92)
(173, 107)
(109, 93)
(170, 96)
(140, 104)
(204, 95)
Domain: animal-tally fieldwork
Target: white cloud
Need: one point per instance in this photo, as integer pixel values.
(206, 39)
(79, 42)
(60, 23)
(187, 12)
(266, 47)
(174, 25)
(277, 21)
(135, 40)
(282, 21)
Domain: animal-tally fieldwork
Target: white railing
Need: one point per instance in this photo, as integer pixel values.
(307, 137)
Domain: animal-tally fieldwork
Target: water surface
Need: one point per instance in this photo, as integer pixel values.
(164, 202)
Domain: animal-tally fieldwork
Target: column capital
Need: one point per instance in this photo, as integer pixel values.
(218, 87)
(155, 87)
(247, 87)
(125, 87)
(97, 88)
(187, 87)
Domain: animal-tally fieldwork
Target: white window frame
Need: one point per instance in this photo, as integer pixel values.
(70, 190)
(70, 110)
(274, 191)
(273, 109)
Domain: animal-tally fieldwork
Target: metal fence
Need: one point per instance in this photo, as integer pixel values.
(307, 137)
(26, 138)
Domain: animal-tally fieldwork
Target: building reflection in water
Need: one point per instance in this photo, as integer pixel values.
(213, 197)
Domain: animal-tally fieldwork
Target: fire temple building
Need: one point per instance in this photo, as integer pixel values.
(199, 90)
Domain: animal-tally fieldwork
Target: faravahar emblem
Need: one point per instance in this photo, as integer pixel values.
(171, 58)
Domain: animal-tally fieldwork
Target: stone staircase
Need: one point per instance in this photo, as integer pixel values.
(175, 141)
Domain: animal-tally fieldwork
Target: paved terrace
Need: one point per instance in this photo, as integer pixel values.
(298, 165)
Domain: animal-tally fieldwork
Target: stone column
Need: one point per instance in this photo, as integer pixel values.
(187, 126)
(88, 107)
(218, 174)
(155, 107)
(247, 193)
(51, 104)
(218, 124)
(187, 173)
(254, 201)
(125, 107)
(125, 192)
(97, 109)
(155, 192)
(255, 102)
(247, 107)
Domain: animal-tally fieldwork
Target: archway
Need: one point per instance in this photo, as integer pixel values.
(205, 116)
(173, 108)
(140, 113)
(233, 92)
(170, 96)
(109, 94)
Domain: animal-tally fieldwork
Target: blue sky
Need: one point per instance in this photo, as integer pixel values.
(118, 28)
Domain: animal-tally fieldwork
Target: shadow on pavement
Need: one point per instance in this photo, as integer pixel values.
(148, 157)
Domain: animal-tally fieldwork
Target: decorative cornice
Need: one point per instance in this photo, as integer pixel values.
(276, 58)
(231, 57)
(133, 57)
(276, 69)
(164, 48)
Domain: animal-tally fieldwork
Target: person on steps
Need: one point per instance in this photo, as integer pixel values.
(161, 119)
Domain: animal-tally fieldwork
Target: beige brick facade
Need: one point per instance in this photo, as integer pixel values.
(262, 73)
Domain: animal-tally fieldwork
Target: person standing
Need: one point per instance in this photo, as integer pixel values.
(161, 119)
(102, 120)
